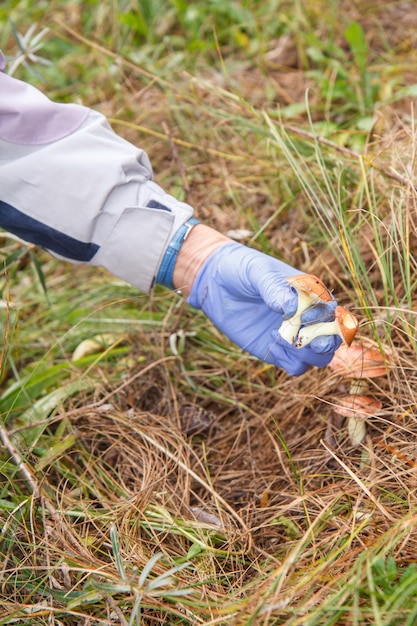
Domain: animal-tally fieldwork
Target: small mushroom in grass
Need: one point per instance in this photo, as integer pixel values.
(360, 406)
(345, 325)
(356, 408)
(310, 290)
(359, 361)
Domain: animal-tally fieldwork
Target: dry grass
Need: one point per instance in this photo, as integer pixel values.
(221, 464)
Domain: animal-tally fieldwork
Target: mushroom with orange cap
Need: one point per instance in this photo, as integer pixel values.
(359, 361)
(310, 290)
(356, 408)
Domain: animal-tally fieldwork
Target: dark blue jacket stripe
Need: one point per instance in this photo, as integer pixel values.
(154, 204)
(34, 231)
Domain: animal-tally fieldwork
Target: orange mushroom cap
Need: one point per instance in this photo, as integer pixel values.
(356, 406)
(359, 361)
(311, 285)
(348, 324)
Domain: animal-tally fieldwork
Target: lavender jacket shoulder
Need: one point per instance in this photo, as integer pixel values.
(71, 185)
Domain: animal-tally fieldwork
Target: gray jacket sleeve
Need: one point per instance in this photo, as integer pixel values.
(71, 185)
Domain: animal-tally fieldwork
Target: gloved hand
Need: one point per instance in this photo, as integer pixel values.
(245, 293)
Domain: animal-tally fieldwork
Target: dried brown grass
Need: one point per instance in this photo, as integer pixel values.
(211, 449)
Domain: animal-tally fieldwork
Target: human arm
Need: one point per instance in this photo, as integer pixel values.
(71, 185)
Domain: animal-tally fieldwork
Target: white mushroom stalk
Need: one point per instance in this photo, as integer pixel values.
(345, 325)
(310, 290)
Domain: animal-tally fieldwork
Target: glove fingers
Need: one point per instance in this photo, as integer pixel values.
(315, 358)
(282, 358)
(297, 360)
(283, 301)
(275, 291)
(322, 312)
(325, 344)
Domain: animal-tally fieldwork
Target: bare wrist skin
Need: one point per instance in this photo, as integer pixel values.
(197, 247)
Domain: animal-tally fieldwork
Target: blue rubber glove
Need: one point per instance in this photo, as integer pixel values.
(246, 294)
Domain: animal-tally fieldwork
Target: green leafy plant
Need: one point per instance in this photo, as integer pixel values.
(350, 89)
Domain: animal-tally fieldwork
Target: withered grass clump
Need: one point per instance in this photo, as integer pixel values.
(257, 503)
(169, 478)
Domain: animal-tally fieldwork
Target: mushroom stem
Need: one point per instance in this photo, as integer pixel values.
(356, 427)
(345, 325)
(290, 327)
(310, 290)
